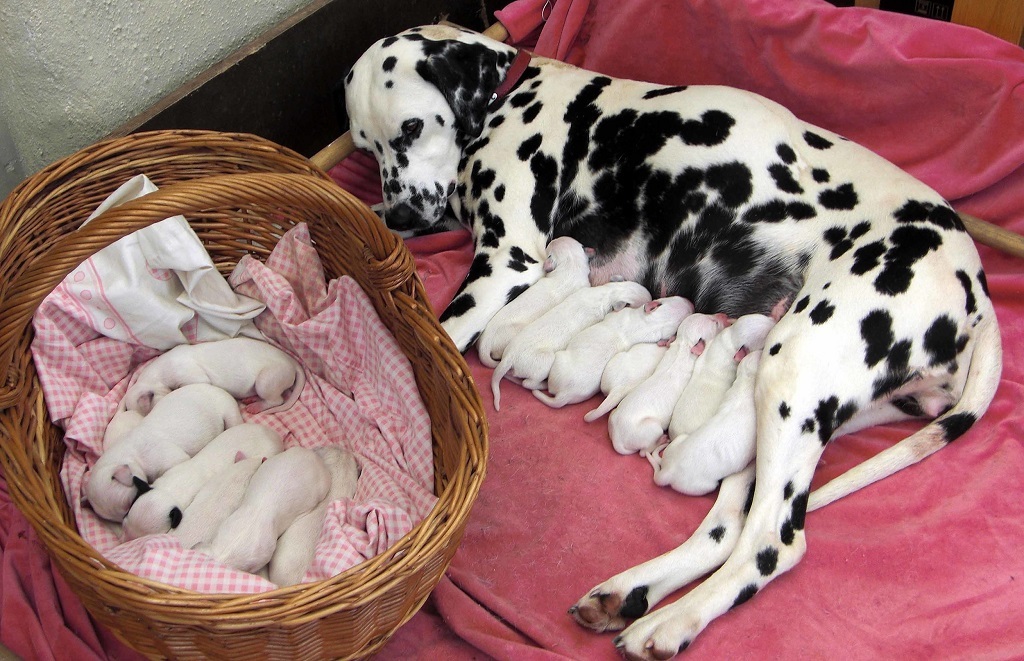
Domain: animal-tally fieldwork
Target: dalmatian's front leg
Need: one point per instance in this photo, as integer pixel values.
(496, 277)
(630, 594)
(772, 540)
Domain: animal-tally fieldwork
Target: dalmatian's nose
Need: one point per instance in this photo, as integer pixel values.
(402, 217)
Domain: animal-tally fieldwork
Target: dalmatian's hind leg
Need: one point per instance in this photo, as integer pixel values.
(627, 596)
(495, 278)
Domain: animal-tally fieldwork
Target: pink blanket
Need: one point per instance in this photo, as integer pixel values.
(925, 564)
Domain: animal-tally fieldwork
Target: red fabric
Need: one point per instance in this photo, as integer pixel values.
(924, 564)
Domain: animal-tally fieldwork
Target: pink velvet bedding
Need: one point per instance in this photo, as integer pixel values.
(925, 564)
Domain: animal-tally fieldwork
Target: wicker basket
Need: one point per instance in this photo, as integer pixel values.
(240, 193)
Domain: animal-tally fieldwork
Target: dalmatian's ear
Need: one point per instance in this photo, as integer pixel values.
(467, 75)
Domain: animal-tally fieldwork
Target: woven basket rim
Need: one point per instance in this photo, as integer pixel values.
(372, 578)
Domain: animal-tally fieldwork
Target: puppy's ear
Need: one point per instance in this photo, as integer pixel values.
(123, 474)
(141, 485)
(144, 404)
(467, 75)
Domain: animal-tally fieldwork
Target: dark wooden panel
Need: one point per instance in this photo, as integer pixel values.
(283, 86)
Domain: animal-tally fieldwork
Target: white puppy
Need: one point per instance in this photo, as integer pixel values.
(715, 371)
(576, 372)
(161, 507)
(566, 269)
(643, 415)
(178, 427)
(723, 445)
(283, 488)
(120, 424)
(216, 500)
(296, 547)
(245, 367)
(625, 371)
(530, 353)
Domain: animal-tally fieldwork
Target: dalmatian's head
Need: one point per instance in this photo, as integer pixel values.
(415, 100)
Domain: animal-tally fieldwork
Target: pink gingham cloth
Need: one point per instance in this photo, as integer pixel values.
(360, 393)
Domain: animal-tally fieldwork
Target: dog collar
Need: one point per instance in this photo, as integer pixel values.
(513, 76)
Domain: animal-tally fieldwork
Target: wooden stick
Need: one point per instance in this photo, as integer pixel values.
(980, 230)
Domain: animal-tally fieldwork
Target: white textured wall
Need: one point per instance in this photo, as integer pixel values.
(73, 70)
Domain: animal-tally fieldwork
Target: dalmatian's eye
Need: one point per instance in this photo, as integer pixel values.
(412, 127)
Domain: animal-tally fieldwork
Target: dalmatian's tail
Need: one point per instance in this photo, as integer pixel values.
(979, 389)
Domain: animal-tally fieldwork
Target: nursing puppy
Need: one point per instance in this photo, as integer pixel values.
(215, 502)
(714, 372)
(625, 371)
(566, 269)
(178, 427)
(643, 415)
(160, 508)
(530, 354)
(283, 488)
(296, 546)
(244, 367)
(576, 370)
(723, 445)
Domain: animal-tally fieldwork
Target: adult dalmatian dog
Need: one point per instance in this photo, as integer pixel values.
(726, 198)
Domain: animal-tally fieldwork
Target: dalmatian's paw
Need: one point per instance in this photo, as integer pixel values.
(659, 635)
(607, 609)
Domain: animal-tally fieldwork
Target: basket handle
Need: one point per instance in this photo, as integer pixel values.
(382, 249)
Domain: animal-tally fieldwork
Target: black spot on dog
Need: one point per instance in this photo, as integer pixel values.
(514, 293)
(784, 410)
(816, 141)
(518, 259)
(984, 283)
(786, 153)
(940, 341)
(745, 595)
(970, 303)
(664, 91)
(916, 211)
(957, 424)
(830, 416)
(776, 211)
(841, 198)
(801, 305)
(733, 181)
(439, 119)
(635, 603)
(908, 245)
(822, 312)
(768, 561)
(717, 533)
(542, 203)
(787, 491)
(496, 121)
(750, 497)
(499, 192)
(896, 373)
(786, 532)
(784, 179)
(531, 113)
(521, 99)
(808, 426)
(389, 63)
(349, 76)
(775, 348)
(712, 129)
(388, 42)
(821, 175)
(462, 304)
(800, 510)
(175, 517)
(838, 239)
(867, 257)
(860, 229)
(480, 268)
(481, 179)
(529, 146)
